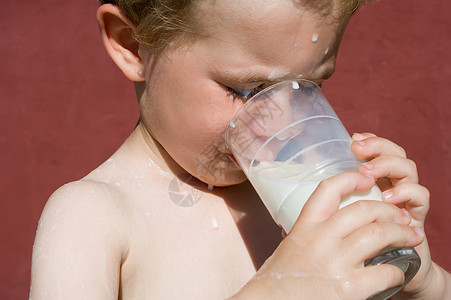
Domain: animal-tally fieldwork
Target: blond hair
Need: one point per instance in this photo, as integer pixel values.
(159, 22)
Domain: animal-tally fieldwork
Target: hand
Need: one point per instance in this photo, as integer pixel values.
(398, 178)
(323, 256)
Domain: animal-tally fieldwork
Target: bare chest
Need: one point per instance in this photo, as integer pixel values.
(203, 251)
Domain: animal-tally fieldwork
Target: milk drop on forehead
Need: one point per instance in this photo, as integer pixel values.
(315, 37)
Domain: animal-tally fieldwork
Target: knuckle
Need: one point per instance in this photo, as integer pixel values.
(398, 149)
(402, 152)
(379, 142)
(419, 194)
(362, 206)
(325, 184)
(385, 160)
(410, 232)
(407, 188)
(377, 231)
(412, 165)
(427, 196)
(393, 210)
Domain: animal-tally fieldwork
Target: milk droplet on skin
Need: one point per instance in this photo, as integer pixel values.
(277, 74)
(315, 37)
(211, 187)
(232, 124)
(214, 223)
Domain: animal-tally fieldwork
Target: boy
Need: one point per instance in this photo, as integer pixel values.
(117, 234)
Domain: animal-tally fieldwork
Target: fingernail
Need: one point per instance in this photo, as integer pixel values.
(388, 194)
(360, 143)
(367, 166)
(419, 231)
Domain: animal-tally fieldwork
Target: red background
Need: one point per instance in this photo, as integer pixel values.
(65, 107)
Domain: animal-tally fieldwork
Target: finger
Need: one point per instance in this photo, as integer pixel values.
(326, 199)
(375, 279)
(376, 146)
(398, 169)
(361, 213)
(369, 240)
(413, 197)
(362, 136)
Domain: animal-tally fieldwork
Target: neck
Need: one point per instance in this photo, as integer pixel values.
(154, 151)
(158, 156)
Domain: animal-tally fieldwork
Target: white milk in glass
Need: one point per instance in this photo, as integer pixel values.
(284, 190)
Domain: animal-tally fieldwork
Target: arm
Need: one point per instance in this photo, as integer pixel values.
(79, 245)
(440, 284)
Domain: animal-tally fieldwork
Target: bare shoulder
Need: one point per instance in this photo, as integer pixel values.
(80, 243)
(97, 203)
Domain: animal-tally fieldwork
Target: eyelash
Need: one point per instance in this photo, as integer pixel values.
(243, 95)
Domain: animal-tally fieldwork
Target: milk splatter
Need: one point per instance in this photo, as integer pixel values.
(214, 223)
(315, 37)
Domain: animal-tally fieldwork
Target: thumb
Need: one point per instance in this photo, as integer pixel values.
(326, 199)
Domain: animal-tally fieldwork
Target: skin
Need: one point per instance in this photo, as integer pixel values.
(223, 58)
(118, 234)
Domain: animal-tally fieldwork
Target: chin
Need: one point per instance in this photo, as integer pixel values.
(227, 179)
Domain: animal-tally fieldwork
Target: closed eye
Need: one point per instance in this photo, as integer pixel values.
(243, 95)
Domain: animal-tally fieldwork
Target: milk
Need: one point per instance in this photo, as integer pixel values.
(285, 188)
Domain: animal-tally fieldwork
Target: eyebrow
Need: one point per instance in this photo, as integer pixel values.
(252, 77)
(243, 76)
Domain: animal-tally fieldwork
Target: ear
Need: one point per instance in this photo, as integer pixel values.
(117, 35)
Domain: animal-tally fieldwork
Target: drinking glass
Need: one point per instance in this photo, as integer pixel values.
(287, 139)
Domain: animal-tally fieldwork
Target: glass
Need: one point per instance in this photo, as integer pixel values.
(287, 139)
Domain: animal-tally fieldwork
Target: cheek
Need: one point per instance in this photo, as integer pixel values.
(212, 109)
(200, 118)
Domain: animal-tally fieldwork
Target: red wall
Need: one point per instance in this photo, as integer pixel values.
(65, 107)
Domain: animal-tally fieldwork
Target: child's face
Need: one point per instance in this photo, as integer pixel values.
(187, 103)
